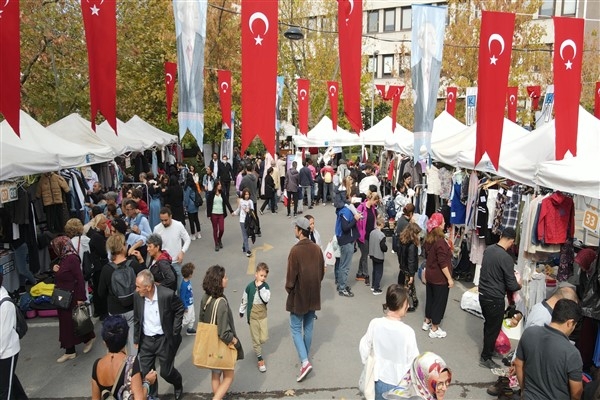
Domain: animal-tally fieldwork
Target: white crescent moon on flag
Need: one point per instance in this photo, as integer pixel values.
(169, 77)
(450, 95)
(303, 93)
(494, 37)
(224, 86)
(332, 90)
(262, 17)
(351, 6)
(598, 92)
(5, 4)
(512, 98)
(568, 43)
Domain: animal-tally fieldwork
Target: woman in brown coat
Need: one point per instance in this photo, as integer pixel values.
(68, 276)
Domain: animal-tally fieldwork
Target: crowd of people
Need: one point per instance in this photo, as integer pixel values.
(141, 242)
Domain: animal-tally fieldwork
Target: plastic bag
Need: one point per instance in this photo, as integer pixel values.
(328, 255)
(502, 345)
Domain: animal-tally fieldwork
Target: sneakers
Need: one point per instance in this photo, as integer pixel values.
(66, 357)
(193, 237)
(262, 367)
(372, 289)
(377, 292)
(198, 235)
(88, 346)
(303, 372)
(426, 326)
(345, 293)
(411, 309)
(489, 364)
(367, 280)
(360, 277)
(217, 248)
(248, 253)
(190, 331)
(220, 244)
(437, 334)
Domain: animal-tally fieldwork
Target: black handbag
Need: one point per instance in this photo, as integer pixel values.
(61, 298)
(82, 321)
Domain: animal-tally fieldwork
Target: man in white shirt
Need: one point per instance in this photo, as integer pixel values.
(176, 240)
(368, 180)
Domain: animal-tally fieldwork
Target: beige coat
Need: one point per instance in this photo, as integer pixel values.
(50, 187)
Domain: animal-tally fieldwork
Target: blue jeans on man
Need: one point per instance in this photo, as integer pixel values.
(309, 190)
(346, 252)
(301, 327)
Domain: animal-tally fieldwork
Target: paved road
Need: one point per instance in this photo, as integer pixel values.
(334, 354)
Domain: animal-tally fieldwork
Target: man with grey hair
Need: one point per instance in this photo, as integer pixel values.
(160, 267)
(157, 319)
(541, 313)
(111, 198)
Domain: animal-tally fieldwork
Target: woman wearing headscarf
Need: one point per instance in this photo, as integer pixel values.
(438, 276)
(428, 378)
(68, 276)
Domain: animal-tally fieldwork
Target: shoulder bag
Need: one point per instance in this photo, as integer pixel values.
(61, 298)
(111, 395)
(366, 382)
(209, 350)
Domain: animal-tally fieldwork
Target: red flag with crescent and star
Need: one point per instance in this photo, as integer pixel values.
(332, 88)
(350, 46)
(495, 48)
(568, 55)
(224, 79)
(380, 90)
(170, 73)
(394, 92)
(451, 100)
(534, 93)
(303, 93)
(100, 22)
(259, 71)
(511, 102)
(10, 67)
(597, 101)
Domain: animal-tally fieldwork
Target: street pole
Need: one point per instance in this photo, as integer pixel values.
(373, 67)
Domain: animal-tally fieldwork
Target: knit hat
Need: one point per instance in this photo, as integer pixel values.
(437, 219)
(585, 258)
(303, 224)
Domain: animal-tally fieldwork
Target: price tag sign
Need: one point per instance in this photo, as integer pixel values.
(8, 192)
(590, 220)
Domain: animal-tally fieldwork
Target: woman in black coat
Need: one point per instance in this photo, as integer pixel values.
(270, 192)
(99, 257)
(408, 259)
(173, 196)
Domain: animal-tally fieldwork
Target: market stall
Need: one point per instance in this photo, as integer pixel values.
(143, 128)
(323, 135)
(381, 133)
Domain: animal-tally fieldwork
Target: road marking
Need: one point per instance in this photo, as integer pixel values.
(42, 324)
(252, 259)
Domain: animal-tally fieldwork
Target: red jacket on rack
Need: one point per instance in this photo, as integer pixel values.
(557, 219)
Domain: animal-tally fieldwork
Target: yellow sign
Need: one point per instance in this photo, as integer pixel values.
(590, 220)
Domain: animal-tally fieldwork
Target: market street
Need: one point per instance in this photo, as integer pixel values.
(334, 354)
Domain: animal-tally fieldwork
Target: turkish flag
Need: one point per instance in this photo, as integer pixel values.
(10, 68)
(511, 102)
(259, 71)
(100, 22)
(380, 90)
(568, 55)
(170, 73)
(451, 100)
(224, 79)
(597, 100)
(303, 93)
(350, 45)
(534, 93)
(332, 88)
(394, 92)
(495, 47)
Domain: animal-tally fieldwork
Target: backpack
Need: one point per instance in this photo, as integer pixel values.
(390, 208)
(197, 199)
(122, 283)
(21, 327)
(328, 177)
(160, 271)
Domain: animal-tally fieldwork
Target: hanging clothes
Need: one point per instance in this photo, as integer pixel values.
(471, 205)
(458, 210)
(501, 200)
(445, 183)
(557, 219)
(510, 213)
(565, 266)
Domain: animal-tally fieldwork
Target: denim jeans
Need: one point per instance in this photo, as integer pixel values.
(244, 237)
(377, 274)
(177, 268)
(301, 327)
(346, 251)
(309, 190)
(21, 255)
(363, 263)
(381, 388)
(327, 188)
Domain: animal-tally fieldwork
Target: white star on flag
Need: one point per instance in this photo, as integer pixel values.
(258, 40)
(568, 64)
(493, 59)
(95, 10)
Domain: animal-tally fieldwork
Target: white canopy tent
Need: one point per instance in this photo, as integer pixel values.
(126, 141)
(143, 128)
(459, 150)
(323, 135)
(381, 132)
(75, 129)
(580, 174)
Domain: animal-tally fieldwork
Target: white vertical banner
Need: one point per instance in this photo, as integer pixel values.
(471, 106)
(547, 106)
(227, 142)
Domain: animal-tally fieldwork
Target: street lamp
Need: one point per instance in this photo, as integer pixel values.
(373, 65)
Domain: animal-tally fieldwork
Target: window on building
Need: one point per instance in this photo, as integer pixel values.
(373, 21)
(312, 25)
(569, 7)
(389, 20)
(373, 63)
(405, 18)
(388, 65)
(547, 8)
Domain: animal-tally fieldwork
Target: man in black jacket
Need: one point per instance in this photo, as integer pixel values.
(157, 318)
(225, 175)
(306, 184)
